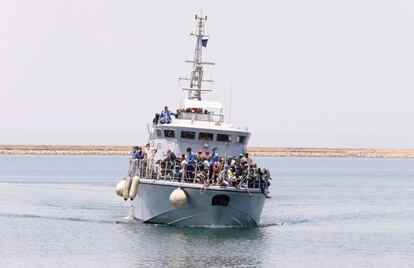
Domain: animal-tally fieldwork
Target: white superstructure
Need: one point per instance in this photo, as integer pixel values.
(199, 124)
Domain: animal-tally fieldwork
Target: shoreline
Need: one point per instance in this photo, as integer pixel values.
(253, 151)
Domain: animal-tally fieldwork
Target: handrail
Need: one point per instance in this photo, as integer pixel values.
(196, 174)
(201, 117)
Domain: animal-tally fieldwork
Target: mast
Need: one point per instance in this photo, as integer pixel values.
(195, 89)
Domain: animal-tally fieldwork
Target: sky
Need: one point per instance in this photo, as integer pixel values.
(299, 73)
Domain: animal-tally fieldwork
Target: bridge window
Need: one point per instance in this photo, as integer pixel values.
(169, 133)
(220, 200)
(205, 136)
(223, 137)
(159, 133)
(188, 135)
(240, 139)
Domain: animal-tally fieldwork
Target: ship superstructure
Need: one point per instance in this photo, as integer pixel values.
(198, 123)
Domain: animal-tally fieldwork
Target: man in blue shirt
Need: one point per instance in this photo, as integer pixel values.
(133, 153)
(189, 163)
(165, 117)
(137, 153)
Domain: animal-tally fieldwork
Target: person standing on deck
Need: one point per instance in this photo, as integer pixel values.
(170, 161)
(213, 159)
(137, 153)
(189, 163)
(136, 156)
(149, 155)
(149, 152)
(171, 157)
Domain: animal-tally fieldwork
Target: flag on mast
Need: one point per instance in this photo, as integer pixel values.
(204, 41)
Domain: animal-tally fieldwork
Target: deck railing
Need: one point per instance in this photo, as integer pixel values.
(201, 117)
(180, 172)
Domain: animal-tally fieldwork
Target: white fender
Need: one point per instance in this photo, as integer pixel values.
(120, 188)
(128, 181)
(134, 187)
(178, 198)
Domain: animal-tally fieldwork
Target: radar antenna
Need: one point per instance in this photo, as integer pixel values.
(195, 89)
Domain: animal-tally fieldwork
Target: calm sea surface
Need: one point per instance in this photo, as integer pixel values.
(62, 211)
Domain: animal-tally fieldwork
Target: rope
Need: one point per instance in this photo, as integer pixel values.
(203, 189)
(248, 191)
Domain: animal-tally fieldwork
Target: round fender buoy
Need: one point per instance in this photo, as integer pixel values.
(120, 188)
(128, 181)
(134, 187)
(178, 198)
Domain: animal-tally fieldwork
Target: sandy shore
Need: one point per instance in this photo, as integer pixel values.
(254, 151)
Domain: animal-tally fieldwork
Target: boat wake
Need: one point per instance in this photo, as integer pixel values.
(283, 223)
(128, 219)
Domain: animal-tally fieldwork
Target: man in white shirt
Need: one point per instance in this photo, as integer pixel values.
(149, 154)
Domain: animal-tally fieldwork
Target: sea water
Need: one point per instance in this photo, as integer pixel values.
(62, 211)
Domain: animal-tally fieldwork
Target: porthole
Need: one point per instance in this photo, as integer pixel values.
(220, 200)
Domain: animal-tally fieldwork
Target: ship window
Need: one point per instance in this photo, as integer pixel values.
(205, 136)
(169, 133)
(221, 200)
(188, 135)
(159, 133)
(223, 137)
(240, 139)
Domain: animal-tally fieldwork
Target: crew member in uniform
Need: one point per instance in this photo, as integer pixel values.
(214, 158)
(189, 163)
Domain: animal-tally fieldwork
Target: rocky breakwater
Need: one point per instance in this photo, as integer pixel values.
(331, 152)
(253, 151)
(65, 149)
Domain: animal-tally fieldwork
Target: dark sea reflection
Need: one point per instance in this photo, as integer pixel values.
(62, 211)
(184, 247)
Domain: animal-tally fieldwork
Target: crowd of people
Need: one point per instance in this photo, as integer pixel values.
(147, 153)
(206, 167)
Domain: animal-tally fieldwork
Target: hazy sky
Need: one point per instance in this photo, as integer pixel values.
(302, 73)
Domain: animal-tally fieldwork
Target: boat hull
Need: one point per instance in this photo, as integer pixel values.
(216, 206)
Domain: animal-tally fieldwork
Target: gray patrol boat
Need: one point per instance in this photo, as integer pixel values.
(194, 170)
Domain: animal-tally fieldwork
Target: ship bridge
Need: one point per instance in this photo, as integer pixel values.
(197, 110)
(200, 132)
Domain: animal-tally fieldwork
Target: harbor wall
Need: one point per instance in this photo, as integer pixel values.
(253, 151)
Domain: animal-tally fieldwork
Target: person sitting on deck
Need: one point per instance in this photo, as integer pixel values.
(165, 117)
(156, 119)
